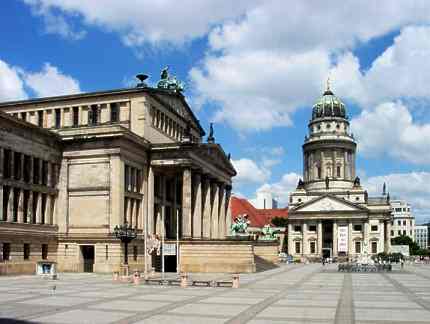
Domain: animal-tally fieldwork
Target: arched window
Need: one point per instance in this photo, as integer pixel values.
(338, 171)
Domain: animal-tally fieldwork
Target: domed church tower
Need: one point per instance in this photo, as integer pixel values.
(329, 150)
(330, 213)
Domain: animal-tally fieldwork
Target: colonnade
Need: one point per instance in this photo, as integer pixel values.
(199, 201)
(27, 188)
(365, 236)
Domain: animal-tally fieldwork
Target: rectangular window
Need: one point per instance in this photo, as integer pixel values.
(404, 232)
(135, 253)
(338, 171)
(358, 228)
(7, 163)
(114, 112)
(24, 116)
(374, 247)
(26, 251)
(404, 222)
(312, 247)
(107, 252)
(312, 228)
(399, 223)
(374, 228)
(297, 247)
(297, 228)
(44, 251)
(399, 232)
(93, 115)
(27, 168)
(17, 163)
(57, 118)
(357, 247)
(75, 116)
(392, 233)
(6, 251)
(40, 118)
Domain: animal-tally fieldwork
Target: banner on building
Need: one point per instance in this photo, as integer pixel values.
(342, 239)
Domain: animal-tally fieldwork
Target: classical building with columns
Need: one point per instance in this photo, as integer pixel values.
(330, 213)
(73, 167)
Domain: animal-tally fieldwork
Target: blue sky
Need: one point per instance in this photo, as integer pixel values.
(254, 68)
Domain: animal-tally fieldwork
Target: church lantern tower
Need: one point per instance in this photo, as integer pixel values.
(329, 149)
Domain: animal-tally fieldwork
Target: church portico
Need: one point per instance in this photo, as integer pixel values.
(331, 214)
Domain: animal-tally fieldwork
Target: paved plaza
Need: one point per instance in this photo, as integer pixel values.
(289, 294)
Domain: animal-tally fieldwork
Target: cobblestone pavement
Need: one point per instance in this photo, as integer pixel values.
(288, 294)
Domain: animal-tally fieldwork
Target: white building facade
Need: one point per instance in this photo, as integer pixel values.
(264, 200)
(403, 219)
(421, 236)
(330, 213)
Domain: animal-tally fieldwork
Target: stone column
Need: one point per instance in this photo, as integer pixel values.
(350, 247)
(10, 205)
(335, 252)
(1, 162)
(345, 166)
(222, 213)
(305, 250)
(319, 234)
(228, 211)
(186, 203)
(39, 209)
(207, 209)
(20, 218)
(197, 214)
(49, 182)
(388, 238)
(215, 211)
(49, 209)
(150, 201)
(366, 237)
(12, 165)
(381, 241)
(2, 217)
(290, 239)
(30, 217)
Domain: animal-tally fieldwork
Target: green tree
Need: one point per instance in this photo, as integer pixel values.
(279, 221)
(414, 248)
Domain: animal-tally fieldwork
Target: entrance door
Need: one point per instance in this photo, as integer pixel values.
(326, 252)
(88, 257)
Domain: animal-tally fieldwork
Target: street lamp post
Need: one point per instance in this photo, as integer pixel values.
(126, 234)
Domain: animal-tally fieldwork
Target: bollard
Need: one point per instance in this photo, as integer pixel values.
(184, 280)
(235, 281)
(136, 278)
(115, 276)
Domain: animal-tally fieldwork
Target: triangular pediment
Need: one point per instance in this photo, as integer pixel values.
(328, 203)
(180, 107)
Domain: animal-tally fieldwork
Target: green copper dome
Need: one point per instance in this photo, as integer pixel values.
(329, 106)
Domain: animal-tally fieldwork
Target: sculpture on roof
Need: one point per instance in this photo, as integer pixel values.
(211, 138)
(240, 225)
(300, 184)
(169, 83)
(357, 182)
(269, 233)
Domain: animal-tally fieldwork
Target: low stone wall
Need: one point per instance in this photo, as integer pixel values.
(217, 256)
(267, 251)
(12, 268)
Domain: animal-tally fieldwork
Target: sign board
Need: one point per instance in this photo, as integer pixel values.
(169, 249)
(342, 239)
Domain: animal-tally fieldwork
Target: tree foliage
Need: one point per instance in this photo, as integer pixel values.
(414, 248)
(279, 221)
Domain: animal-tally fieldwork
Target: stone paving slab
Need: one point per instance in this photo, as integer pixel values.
(288, 294)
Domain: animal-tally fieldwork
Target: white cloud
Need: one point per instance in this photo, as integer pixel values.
(281, 189)
(248, 172)
(141, 22)
(401, 71)
(273, 61)
(389, 130)
(11, 85)
(413, 187)
(51, 82)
